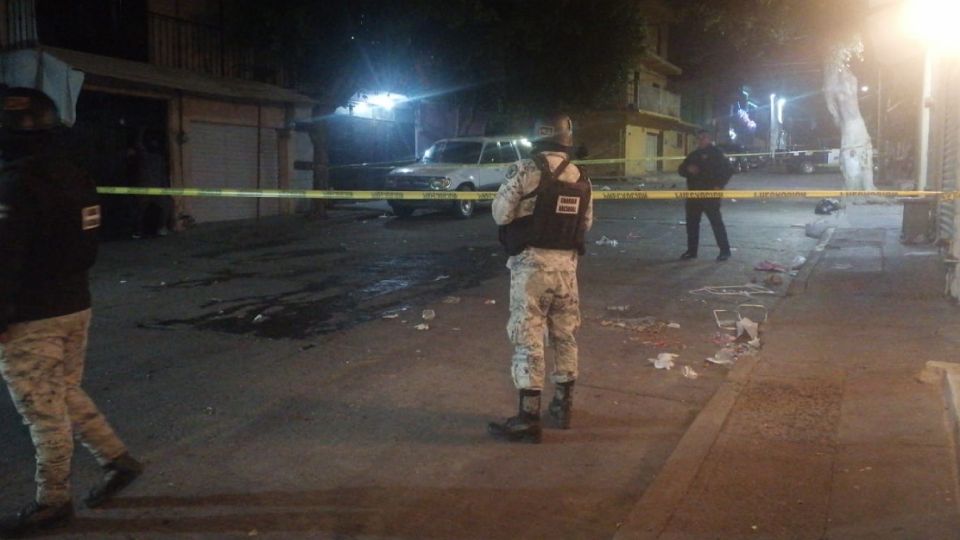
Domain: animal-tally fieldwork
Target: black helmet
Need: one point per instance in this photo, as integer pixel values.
(26, 110)
(556, 129)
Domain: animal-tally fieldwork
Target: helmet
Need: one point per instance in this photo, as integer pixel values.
(26, 110)
(557, 128)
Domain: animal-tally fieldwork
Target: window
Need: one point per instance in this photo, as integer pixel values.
(453, 152)
(491, 153)
(508, 154)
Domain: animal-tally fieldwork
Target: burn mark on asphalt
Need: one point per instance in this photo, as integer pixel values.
(355, 292)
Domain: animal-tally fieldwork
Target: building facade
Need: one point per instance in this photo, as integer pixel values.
(161, 75)
(645, 127)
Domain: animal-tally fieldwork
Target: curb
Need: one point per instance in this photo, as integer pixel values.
(948, 376)
(652, 513)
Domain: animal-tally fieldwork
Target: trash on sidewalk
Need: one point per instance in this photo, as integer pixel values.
(769, 266)
(724, 357)
(489, 301)
(663, 361)
(733, 290)
(673, 325)
(422, 326)
(451, 300)
(441, 277)
(726, 319)
(428, 314)
(817, 228)
(689, 372)
(259, 319)
(759, 312)
(826, 207)
(618, 308)
(797, 262)
(604, 241)
(748, 330)
(389, 315)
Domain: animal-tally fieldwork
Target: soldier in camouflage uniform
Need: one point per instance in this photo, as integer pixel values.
(49, 219)
(544, 299)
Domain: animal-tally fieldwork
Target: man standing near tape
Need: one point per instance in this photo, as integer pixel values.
(544, 209)
(49, 220)
(706, 168)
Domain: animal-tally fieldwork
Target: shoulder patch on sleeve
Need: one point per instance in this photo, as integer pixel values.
(90, 217)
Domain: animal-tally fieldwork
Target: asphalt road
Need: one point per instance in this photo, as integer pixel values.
(251, 365)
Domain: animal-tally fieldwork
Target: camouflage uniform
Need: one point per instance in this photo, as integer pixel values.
(544, 298)
(42, 364)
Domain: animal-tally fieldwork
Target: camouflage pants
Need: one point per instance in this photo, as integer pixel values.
(542, 303)
(42, 365)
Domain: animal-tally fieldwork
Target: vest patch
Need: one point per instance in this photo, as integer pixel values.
(90, 217)
(568, 205)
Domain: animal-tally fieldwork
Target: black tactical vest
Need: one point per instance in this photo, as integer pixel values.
(559, 216)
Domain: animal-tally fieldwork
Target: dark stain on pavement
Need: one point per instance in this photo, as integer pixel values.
(338, 301)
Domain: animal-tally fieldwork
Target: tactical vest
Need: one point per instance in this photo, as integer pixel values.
(559, 215)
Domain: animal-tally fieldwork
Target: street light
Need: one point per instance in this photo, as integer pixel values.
(933, 22)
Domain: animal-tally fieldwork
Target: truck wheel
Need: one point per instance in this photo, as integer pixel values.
(464, 209)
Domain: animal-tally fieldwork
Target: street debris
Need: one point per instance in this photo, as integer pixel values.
(389, 315)
(733, 290)
(726, 319)
(769, 266)
(618, 308)
(724, 357)
(636, 324)
(663, 361)
(817, 228)
(673, 325)
(604, 241)
(489, 302)
(826, 207)
(422, 326)
(758, 310)
(259, 319)
(681, 222)
(441, 278)
(748, 331)
(428, 314)
(606, 188)
(451, 300)
(798, 262)
(773, 280)
(634, 235)
(689, 372)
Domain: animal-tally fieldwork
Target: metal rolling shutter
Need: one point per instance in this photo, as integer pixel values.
(946, 223)
(225, 156)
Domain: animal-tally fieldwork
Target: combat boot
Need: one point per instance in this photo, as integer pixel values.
(525, 426)
(561, 406)
(36, 517)
(117, 475)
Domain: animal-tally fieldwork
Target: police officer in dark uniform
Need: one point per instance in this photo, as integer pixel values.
(706, 168)
(49, 221)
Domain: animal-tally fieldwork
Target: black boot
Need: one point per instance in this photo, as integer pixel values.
(561, 406)
(525, 426)
(36, 517)
(117, 475)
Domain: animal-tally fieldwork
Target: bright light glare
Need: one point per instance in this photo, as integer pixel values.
(387, 101)
(526, 143)
(361, 108)
(733, 134)
(864, 88)
(780, 105)
(933, 21)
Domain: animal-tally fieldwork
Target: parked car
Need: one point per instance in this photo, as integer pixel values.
(459, 164)
(811, 161)
(734, 152)
(363, 176)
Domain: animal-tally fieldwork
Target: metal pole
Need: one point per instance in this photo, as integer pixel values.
(927, 96)
(773, 122)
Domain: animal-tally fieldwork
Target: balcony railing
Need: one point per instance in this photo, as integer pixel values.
(19, 26)
(659, 101)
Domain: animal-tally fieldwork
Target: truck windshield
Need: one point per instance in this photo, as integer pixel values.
(453, 152)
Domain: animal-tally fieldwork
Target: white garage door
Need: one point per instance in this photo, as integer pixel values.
(225, 156)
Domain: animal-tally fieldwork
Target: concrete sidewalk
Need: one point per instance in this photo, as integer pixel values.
(829, 432)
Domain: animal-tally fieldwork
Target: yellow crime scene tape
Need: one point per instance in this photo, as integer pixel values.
(489, 195)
